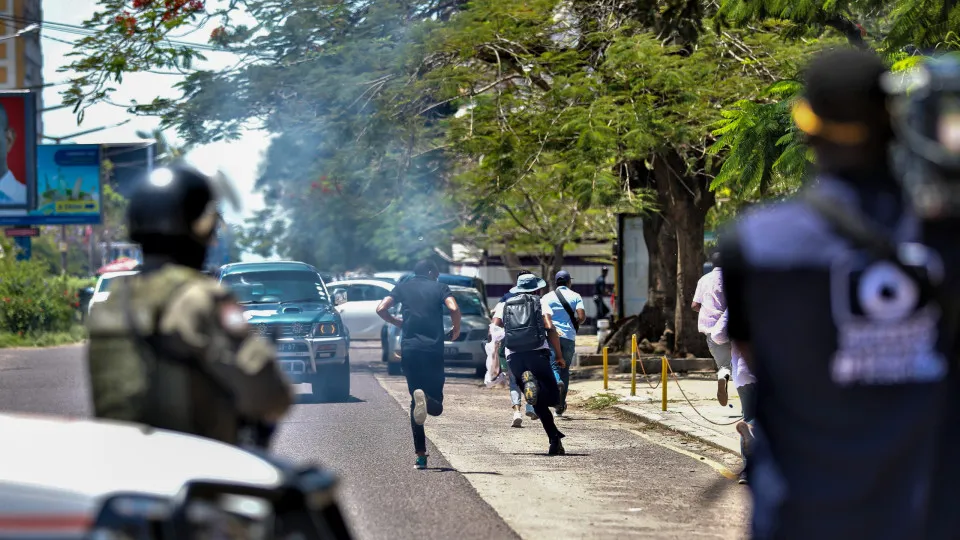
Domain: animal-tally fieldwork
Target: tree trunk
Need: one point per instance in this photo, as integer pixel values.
(687, 199)
(555, 265)
(657, 315)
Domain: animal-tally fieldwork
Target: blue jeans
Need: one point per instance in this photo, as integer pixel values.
(569, 348)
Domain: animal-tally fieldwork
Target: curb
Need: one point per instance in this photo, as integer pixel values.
(649, 418)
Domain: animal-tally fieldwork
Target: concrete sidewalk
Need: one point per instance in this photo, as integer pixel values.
(714, 425)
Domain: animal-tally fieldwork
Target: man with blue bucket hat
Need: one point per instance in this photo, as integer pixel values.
(529, 336)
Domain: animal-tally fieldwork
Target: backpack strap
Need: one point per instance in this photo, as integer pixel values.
(568, 309)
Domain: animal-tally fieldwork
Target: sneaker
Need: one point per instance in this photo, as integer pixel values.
(556, 447)
(532, 414)
(419, 407)
(722, 391)
(421, 463)
(561, 408)
(517, 419)
(530, 389)
(743, 478)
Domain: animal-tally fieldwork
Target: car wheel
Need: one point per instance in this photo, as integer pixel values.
(481, 371)
(384, 357)
(394, 368)
(331, 384)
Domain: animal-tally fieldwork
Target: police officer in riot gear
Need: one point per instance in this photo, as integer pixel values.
(831, 299)
(171, 348)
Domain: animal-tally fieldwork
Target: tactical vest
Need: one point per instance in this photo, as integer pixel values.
(140, 376)
(851, 385)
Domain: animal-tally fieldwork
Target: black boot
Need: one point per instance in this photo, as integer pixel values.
(556, 447)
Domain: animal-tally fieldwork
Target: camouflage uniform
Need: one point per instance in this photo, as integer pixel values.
(197, 367)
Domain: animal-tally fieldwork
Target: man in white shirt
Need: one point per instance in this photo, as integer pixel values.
(532, 367)
(710, 302)
(12, 192)
(746, 385)
(567, 324)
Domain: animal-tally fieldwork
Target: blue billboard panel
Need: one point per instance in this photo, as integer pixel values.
(66, 190)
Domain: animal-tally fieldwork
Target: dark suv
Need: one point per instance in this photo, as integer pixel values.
(289, 302)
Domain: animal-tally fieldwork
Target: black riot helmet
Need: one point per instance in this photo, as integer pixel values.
(927, 120)
(175, 212)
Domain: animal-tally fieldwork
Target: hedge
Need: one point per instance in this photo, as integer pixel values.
(32, 301)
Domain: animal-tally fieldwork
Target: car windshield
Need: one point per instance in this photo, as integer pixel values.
(276, 286)
(107, 282)
(469, 302)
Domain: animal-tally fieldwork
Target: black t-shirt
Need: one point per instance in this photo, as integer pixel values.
(600, 286)
(421, 302)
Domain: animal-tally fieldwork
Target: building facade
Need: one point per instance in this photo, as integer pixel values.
(21, 58)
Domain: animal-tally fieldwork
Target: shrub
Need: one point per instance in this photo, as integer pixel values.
(33, 301)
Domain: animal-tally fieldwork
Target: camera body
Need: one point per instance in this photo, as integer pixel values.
(926, 116)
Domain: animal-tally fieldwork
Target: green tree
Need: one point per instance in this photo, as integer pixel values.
(763, 146)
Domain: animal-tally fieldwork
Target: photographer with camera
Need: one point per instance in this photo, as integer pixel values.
(832, 300)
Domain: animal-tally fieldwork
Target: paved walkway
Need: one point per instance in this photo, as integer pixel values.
(617, 480)
(701, 417)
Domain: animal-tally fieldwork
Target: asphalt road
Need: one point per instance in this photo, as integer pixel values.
(485, 480)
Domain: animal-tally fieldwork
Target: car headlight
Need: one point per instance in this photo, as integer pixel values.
(326, 329)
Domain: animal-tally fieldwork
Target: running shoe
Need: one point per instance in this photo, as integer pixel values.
(517, 419)
(722, 396)
(561, 408)
(421, 463)
(530, 389)
(532, 414)
(419, 407)
(556, 447)
(743, 478)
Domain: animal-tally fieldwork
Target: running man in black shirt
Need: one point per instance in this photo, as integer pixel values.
(421, 350)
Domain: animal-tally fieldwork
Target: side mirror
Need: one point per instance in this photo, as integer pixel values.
(340, 298)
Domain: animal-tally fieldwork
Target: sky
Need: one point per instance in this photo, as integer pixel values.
(240, 160)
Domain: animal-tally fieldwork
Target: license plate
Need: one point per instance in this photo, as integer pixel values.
(291, 347)
(294, 354)
(451, 351)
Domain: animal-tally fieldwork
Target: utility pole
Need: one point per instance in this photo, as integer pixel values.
(63, 249)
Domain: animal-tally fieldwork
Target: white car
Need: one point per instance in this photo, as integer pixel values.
(392, 277)
(359, 312)
(72, 478)
(102, 290)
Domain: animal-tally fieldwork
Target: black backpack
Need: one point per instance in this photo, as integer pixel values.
(523, 323)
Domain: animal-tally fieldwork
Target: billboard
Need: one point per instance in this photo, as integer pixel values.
(65, 190)
(18, 140)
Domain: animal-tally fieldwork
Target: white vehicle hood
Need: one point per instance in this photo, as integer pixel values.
(54, 465)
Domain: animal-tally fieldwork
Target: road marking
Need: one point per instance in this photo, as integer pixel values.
(719, 467)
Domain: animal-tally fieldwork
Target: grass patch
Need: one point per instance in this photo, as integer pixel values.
(601, 401)
(43, 339)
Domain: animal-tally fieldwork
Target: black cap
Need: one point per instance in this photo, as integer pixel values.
(844, 85)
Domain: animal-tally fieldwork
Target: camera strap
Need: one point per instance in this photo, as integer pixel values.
(855, 228)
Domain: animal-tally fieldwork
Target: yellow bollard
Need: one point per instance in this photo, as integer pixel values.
(664, 366)
(605, 352)
(633, 366)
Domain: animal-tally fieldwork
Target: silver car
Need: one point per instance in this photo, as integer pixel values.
(466, 351)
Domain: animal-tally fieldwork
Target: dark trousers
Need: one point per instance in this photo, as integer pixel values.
(424, 371)
(602, 309)
(538, 363)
